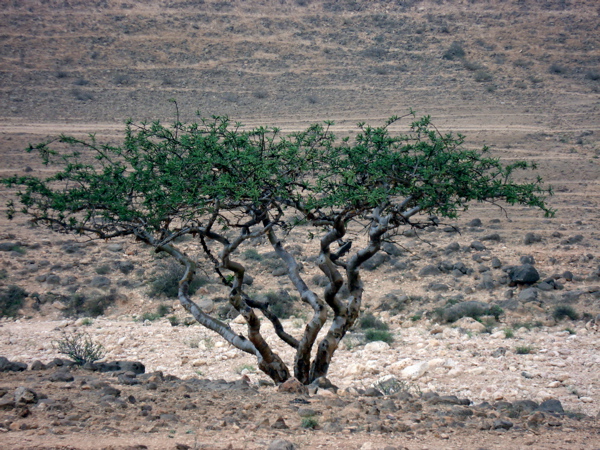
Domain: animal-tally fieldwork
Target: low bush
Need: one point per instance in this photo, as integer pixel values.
(166, 283)
(79, 305)
(562, 311)
(372, 335)
(456, 51)
(11, 300)
(370, 321)
(80, 348)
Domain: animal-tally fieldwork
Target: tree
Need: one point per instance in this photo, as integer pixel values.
(224, 185)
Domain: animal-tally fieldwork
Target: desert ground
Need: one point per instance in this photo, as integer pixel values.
(522, 78)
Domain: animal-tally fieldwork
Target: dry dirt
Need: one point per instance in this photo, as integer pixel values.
(527, 87)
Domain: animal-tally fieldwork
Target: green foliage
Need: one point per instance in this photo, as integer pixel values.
(524, 350)
(562, 311)
(252, 254)
(509, 333)
(370, 321)
(310, 422)
(80, 348)
(166, 283)
(372, 335)
(161, 311)
(11, 300)
(281, 303)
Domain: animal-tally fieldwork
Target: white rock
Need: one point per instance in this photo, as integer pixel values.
(416, 370)
(470, 324)
(437, 362)
(587, 399)
(543, 396)
(376, 347)
(554, 384)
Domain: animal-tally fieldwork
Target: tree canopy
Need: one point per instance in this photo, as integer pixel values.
(224, 184)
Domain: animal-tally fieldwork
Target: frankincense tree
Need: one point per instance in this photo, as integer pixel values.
(224, 185)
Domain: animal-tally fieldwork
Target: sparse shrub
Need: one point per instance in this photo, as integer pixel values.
(312, 99)
(369, 321)
(87, 322)
(167, 282)
(3, 274)
(483, 76)
(557, 69)
(562, 311)
(375, 52)
(416, 317)
(509, 333)
(472, 66)
(570, 330)
(161, 311)
(310, 422)
(80, 348)
(173, 320)
(281, 303)
(81, 82)
(82, 96)
(123, 80)
(372, 335)
(456, 51)
(78, 305)
(260, 94)
(231, 97)
(253, 254)
(592, 75)
(393, 385)
(11, 300)
(248, 367)
(62, 74)
(524, 350)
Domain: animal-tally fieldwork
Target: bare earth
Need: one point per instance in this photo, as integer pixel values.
(527, 87)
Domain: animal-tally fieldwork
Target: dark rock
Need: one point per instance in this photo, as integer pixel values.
(571, 296)
(392, 249)
(527, 259)
(451, 248)
(543, 286)
(6, 403)
(100, 281)
(429, 270)
(281, 444)
(8, 246)
(125, 267)
(248, 280)
(476, 245)
(448, 400)
(61, 376)
(132, 366)
(438, 287)
(496, 263)
(525, 274)
(502, 424)
(528, 295)
(11, 366)
(492, 237)
(38, 365)
(110, 391)
(568, 275)
(324, 383)
(572, 240)
(475, 223)
(376, 261)
(532, 238)
(279, 271)
(372, 392)
(551, 406)
(24, 395)
(52, 279)
(524, 406)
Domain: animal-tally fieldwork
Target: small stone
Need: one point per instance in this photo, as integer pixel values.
(279, 424)
(587, 399)
(502, 424)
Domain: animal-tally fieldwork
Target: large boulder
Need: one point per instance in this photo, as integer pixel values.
(525, 274)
